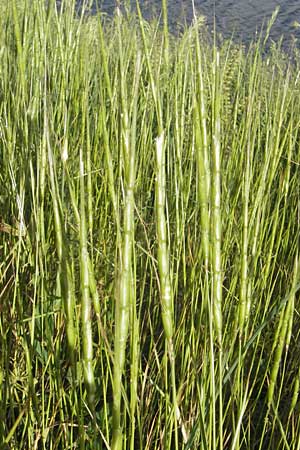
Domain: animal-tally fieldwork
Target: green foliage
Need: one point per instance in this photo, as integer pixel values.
(149, 234)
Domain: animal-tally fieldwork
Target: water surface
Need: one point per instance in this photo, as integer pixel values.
(241, 17)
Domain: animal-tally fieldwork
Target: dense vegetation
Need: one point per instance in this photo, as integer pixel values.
(149, 235)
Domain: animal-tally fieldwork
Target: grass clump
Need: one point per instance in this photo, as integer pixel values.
(149, 235)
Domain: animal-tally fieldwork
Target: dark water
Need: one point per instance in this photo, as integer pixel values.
(241, 17)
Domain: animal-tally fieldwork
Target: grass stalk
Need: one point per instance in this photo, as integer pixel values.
(125, 281)
(86, 313)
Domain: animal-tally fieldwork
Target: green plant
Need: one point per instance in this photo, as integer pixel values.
(149, 235)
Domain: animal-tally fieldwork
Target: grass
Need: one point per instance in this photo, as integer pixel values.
(149, 235)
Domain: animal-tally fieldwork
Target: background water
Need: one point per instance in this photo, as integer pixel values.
(241, 17)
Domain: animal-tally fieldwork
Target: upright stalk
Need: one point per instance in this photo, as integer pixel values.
(65, 271)
(86, 324)
(203, 163)
(123, 300)
(166, 30)
(216, 227)
(166, 293)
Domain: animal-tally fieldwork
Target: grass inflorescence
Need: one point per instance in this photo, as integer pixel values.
(149, 235)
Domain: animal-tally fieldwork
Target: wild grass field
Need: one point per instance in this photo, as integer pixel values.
(149, 235)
